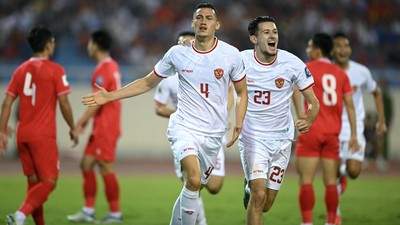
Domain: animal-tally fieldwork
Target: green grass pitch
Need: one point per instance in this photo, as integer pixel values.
(149, 200)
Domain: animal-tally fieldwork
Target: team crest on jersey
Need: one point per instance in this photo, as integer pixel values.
(218, 73)
(99, 80)
(279, 82)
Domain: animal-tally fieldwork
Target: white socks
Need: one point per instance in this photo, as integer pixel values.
(201, 216)
(189, 206)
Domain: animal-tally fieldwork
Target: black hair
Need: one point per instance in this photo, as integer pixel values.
(38, 37)
(102, 39)
(253, 25)
(340, 35)
(207, 5)
(324, 42)
(185, 33)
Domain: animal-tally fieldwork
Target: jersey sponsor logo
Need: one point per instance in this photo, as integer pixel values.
(308, 73)
(218, 73)
(279, 82)
(187, 71)
(258, 171)
(188, 149)
(250, 81)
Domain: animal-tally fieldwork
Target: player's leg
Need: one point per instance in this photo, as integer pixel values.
(40, 157)
(307, 158)
(89, 185)
(185, 149)
(277, 169)
(306, 168)
(258, 198)
(354, 159)
(329, 167)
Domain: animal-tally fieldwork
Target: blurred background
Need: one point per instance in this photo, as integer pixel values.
(143, 30)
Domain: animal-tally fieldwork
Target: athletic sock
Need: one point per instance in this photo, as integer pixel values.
(201, 216)
(307, 201)
(37, 214)
(176, 212)
(189, 206)
(112, 192)
(36, 197)
(20, 217)
(331, 201)
(89, 188)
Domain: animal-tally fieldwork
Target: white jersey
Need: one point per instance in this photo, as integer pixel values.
(270, 88)
(204, 78)
(361, 80)
(167, 89)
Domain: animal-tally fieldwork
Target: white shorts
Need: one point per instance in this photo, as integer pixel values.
(265, 159)
(219, 169)
(346, 154)
(206, 148)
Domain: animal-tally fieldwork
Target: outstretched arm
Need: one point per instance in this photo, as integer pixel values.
(241, 108)
(132, 89)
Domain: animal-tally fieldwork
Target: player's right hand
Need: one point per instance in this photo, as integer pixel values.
(353, 144)
(98, 98)
(74, 136)
(3, 143)
(302, 125)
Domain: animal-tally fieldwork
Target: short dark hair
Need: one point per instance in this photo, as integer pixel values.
(102, 39)
(185, 33)
(38, 37)
(340, 34)
(324, 42)
(253, 25)
(207, 5)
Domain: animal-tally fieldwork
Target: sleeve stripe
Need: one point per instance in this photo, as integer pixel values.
(10, 93)
(235, 81)
(309, 86)
(160, 103)
(158, 75)
(64, 92)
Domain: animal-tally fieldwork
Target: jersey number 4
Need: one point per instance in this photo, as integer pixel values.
(30, 88)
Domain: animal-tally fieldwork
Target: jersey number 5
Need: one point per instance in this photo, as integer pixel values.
(29, 87)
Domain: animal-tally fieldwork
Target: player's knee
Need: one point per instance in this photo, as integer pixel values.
(353, 171)
(193, 183)
(214, 189)
(258, 196)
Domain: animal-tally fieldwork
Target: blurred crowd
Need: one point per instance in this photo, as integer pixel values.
(144, 29)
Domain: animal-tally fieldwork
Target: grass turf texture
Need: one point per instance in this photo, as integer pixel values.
(149, 201)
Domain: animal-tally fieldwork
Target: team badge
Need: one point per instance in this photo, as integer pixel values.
(99, 80)
(218, 73)
(279, 82)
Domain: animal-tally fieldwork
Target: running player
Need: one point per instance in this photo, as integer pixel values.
(268, 128)
(361, 81)
(205, 70)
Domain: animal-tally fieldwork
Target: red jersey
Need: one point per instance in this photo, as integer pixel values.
(37, 82)
(331, 85)
(107, 120)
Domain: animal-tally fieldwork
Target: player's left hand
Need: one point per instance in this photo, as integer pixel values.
(235, 136)
(381, 128)
(74, 136)
(353, 144)
(3, 143)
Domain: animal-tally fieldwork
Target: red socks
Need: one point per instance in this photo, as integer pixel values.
(331, 201)
(35, 198)
(37, 214)
(89, 188)
(307, 201)
(112, 191)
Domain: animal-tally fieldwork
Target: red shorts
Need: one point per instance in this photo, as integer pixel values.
(314, 144)
(40, 157)
(102, 148)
